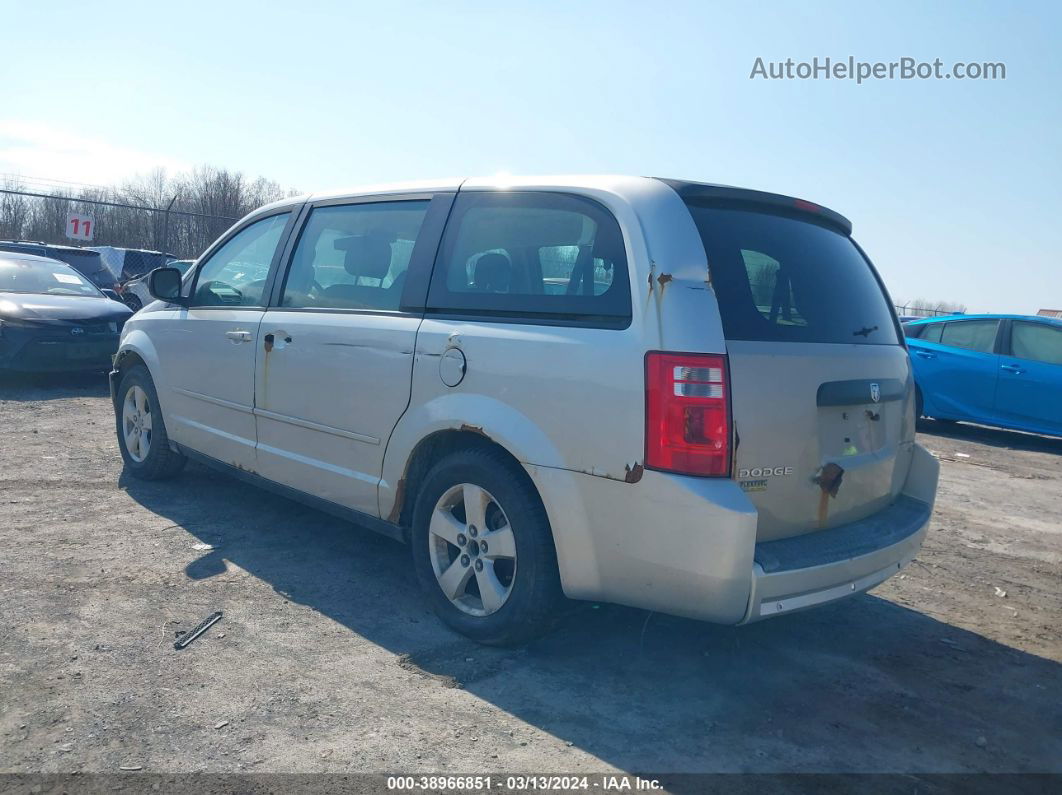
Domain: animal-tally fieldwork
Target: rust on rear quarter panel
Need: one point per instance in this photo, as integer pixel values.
(634, 473)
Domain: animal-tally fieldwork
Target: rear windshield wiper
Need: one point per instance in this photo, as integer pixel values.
(864, 332)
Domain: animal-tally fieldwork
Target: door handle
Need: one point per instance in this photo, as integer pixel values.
(239, 335)
(1012, 368)
(925, 355)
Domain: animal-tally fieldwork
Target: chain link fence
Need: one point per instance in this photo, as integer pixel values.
(46, 218)
(179, 215)
(917, 310)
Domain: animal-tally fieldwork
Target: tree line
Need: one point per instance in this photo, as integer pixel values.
(217, 196)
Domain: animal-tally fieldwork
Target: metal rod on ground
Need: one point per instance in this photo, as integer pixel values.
(203, 626)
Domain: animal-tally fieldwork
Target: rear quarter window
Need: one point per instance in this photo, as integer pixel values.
(789, 279)
(930, 332)
(535, 255)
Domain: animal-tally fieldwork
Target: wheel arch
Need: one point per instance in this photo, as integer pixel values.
(430, 450)
(137, 349)
(457, 418)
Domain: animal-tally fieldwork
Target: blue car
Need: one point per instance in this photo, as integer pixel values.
(1003, 370)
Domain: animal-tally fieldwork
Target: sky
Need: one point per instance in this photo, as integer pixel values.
(954, 186)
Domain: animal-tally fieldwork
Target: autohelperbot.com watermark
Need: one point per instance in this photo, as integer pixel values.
(849, 68)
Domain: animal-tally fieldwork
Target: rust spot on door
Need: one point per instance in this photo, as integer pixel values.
(664, 278)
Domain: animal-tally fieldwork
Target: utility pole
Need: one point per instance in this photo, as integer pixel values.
(166, 226)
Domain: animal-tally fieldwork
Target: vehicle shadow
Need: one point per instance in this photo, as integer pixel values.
(994, 437)
(25, 387)
(864, 685)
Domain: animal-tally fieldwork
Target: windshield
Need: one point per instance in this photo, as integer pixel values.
(181, 264)
(782, 278)
(47, 277)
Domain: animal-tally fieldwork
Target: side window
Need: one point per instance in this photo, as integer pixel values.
(354, 256)
(235, 274)
(514, 253)
(1037, 341)
(932, 332)
(972, 335)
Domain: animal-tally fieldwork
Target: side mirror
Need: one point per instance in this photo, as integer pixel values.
(165, 285)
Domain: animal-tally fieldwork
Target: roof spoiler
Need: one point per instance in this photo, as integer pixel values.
(774, 201)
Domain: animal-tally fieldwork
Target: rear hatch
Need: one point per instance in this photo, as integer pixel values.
(821, 386)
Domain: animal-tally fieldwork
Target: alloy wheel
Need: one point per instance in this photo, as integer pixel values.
(136, 423)
(472, 549)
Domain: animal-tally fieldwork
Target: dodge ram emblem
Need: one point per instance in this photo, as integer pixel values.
(875, 392)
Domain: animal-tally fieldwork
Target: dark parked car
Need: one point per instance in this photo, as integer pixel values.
(53, 318)
(85, 261)
(1003, 370)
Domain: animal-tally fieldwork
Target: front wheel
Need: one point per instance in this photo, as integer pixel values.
(483, 550)
(132, 300)
(142, 435)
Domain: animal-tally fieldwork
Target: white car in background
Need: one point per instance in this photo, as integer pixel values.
(135, 291)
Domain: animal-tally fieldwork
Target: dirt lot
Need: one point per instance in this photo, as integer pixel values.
(327, 659)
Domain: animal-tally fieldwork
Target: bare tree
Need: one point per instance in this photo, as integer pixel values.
(14, 211)
(219, 197)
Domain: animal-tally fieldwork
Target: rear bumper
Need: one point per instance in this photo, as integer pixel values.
(806, 571)
(687, 546)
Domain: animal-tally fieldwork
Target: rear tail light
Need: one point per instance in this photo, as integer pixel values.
(687, 414)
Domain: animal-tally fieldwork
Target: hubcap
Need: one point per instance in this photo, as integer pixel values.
(472, 549)
(136, 423)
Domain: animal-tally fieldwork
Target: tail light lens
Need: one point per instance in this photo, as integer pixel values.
(687, 417)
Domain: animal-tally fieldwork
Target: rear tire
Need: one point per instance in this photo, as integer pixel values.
(483, 550)
(132, 300)
(142, 437)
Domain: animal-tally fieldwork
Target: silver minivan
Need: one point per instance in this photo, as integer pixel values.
(683, 397)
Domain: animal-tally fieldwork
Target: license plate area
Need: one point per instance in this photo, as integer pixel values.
(853, 430)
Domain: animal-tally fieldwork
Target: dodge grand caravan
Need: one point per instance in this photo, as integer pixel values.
(683, 397)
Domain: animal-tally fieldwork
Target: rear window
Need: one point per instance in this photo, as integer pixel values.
(785, 279)
(87, 262)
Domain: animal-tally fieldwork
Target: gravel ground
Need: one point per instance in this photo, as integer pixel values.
(327, 659)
